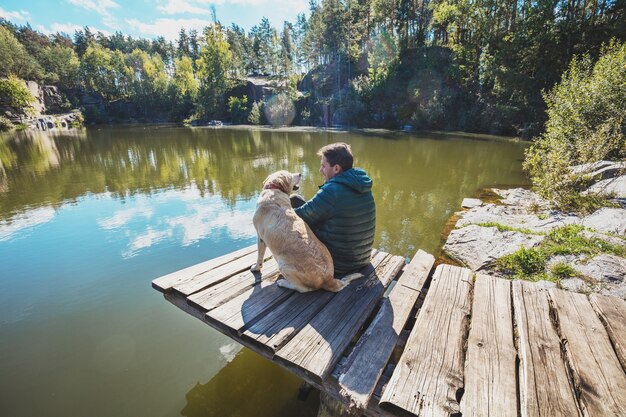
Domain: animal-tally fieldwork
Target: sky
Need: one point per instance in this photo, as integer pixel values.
(146, 18)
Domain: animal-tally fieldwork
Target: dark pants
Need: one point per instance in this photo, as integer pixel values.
(296, 200)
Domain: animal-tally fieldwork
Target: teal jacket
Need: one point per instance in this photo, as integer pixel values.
(343, 216)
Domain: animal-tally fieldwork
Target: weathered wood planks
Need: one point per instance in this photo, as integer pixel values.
(598, 377)
(367, 361)
(429, 375)
(168, 281)
(318, 346)
(490, 372)
(544, 385)
(276, 328)
(218, 274)
(226, 290)
(612, 312)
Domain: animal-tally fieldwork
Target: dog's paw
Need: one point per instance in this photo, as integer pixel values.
(283, 283)
(255, 268)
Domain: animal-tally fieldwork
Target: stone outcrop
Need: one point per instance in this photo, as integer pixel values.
(486, 232)
(48, 111)
(479, 247)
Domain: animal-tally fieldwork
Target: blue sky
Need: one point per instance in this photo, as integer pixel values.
(146, 18)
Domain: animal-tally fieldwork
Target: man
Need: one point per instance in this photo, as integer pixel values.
(342, 214)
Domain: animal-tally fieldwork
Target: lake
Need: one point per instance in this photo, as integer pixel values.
(89, 218)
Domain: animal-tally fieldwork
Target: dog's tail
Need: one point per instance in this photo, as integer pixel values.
(337, 285)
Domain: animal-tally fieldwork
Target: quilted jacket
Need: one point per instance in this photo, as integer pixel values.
(343, 216)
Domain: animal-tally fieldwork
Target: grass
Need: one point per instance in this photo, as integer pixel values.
(505, 228)
(530, 263)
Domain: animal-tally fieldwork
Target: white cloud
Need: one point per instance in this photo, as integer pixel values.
(123, 217)
(145, 240)
(68, 28)
(102, 8)
(27, 220)
(21, 15)
(168, 28)
(180, 7)
(207, 218)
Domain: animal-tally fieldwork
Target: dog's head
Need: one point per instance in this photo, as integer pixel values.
(282, 180)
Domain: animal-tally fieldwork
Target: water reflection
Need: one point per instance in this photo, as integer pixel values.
(244, 383)
(88, 218)
(418, 182)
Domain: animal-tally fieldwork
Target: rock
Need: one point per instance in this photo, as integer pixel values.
(471, 203)
(517, 217)
(610, 186)
(576, 285)
(607, 220)
(478, 247)
(614, 240)
(599, 170)
(604, 268)
(521, 197)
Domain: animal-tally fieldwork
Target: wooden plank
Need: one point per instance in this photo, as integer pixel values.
(598, 376)
(544, 385)
(168, 281)
(612, 312)
(429, 375)
(219, 274)
(248, 307)
(490, 370)
(225, 291)
(278, 326)
(315, 350)
(369, 357)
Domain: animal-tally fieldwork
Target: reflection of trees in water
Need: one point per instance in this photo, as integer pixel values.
(229, 163)
(249, 386)
(418, 183)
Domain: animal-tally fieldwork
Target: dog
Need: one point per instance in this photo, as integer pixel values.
(304, 262)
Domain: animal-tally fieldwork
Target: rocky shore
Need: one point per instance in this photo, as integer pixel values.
(574, 252)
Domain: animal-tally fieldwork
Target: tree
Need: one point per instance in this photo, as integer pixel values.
(214, 64)
(238, 109)
(14, 59)
(586, 123)
(61, 65)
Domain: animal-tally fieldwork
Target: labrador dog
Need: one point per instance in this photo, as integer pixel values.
(303, 261)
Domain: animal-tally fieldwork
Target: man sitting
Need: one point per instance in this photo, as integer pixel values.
(342, 214)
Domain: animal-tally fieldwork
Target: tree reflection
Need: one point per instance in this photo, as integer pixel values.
(419, 182)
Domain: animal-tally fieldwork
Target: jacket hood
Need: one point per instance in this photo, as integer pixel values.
(355, 178)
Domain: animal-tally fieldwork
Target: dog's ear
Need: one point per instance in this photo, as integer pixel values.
(283, 181)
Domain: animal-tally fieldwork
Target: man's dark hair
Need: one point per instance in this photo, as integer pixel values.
(338, 154)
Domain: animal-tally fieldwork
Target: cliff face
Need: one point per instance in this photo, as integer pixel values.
(49, 110)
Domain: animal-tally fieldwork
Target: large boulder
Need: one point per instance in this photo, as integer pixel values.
(479, 247)
(607, 220)
(517, 217)
(609, 187)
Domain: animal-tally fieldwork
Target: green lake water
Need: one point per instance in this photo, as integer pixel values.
(89, 218)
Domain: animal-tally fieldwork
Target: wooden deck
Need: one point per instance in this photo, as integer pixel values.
(442, 343)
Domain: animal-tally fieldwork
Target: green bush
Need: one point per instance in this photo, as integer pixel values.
(238, 109)
(256, 113)
(14, 93)
(523, 263)
(5, 124)
(586, 123)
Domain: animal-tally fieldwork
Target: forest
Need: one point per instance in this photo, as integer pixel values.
(470, 65)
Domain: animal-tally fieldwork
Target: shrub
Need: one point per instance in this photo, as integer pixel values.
(256, 113)
(238, 109)
(524, 263)
(14, 93)
(586, 123)
(5, 124)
